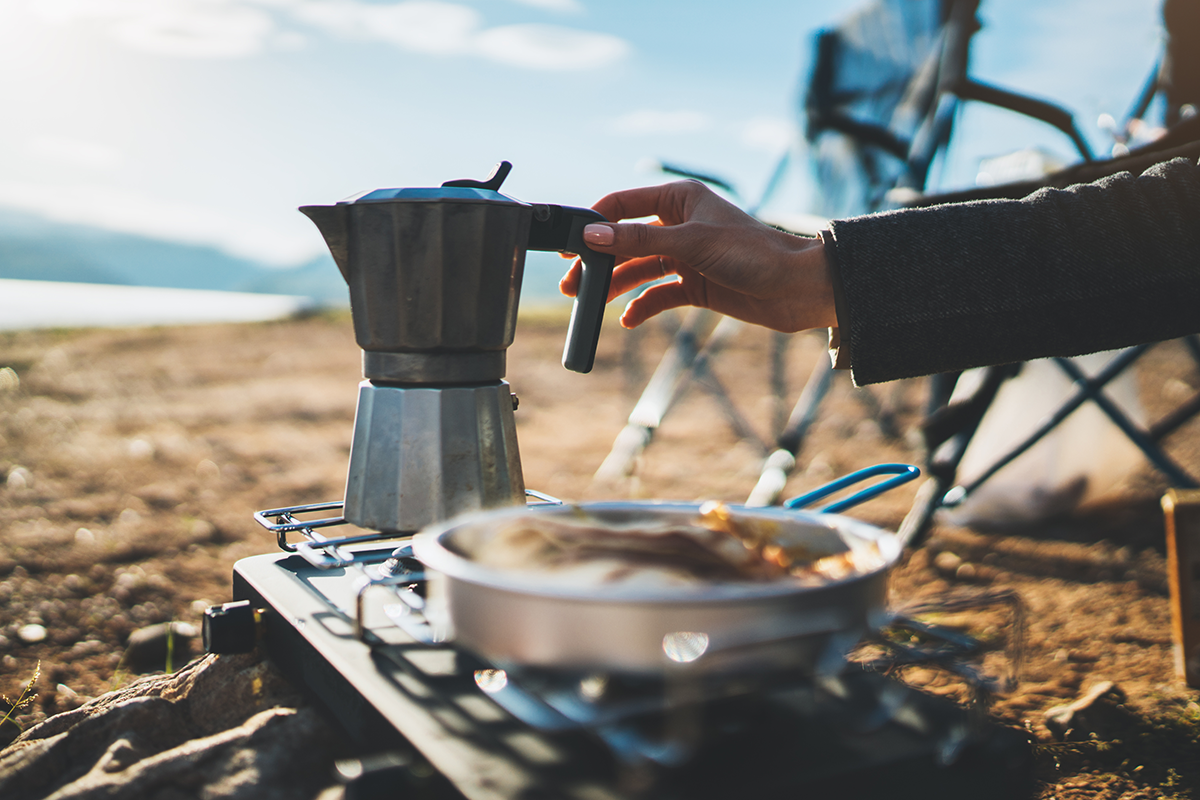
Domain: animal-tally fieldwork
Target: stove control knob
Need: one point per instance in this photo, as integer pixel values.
(230, 628)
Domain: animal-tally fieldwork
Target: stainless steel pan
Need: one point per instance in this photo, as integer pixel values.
(521, 617)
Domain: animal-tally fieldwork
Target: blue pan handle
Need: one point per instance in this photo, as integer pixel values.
(901, 473)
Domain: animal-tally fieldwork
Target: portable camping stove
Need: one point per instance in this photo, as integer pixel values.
(342, 618)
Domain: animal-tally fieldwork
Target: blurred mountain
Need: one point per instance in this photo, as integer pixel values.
(35, 248)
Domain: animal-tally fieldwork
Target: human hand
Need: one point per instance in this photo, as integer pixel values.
(723, 259)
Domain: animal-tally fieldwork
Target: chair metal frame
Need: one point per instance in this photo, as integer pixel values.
(949, 427)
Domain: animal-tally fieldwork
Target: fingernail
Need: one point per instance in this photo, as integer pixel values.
(598, 234)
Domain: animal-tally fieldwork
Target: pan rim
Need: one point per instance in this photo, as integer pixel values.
(429, 548)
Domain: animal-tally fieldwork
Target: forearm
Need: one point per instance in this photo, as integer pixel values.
(1061, 272)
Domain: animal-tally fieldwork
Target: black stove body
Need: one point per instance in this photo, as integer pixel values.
(342, 618)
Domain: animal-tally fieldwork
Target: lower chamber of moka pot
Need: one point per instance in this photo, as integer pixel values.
(422, 454)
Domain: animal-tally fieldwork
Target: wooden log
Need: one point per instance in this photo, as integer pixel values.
(1181, 508)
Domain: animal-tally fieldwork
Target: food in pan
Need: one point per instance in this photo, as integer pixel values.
(718, 546)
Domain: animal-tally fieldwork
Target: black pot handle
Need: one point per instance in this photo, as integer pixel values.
(561, 228)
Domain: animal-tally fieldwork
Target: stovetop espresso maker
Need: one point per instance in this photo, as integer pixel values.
(435, 280)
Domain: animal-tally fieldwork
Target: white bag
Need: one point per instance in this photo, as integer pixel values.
(1080, 461)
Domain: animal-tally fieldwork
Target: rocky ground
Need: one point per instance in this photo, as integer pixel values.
(131, 462)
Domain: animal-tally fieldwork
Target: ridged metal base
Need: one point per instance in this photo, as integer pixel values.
(421, 455)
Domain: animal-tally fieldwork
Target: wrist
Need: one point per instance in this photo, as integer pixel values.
(831, 277)
(813, 284)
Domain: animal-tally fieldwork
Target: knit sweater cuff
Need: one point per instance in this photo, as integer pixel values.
(839, 351)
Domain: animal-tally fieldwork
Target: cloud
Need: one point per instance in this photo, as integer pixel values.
(424, 27)
(550, 47)
(640, 123)
(179, 28)
(196, 31)
(241, 28)
(429, 26)
(419, 25)
(69, 11)
(146, 215)
(571, 6)
(769, 134)
(75, 152)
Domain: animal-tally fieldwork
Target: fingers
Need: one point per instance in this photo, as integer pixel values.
(663, 201)
(649, 245)
(569, 283)
(653, 301)
(626, 277)
(633, 273)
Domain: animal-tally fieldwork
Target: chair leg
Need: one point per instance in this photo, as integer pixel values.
(919, 519)
(948, 430)
(1145, 442)
(778, 465)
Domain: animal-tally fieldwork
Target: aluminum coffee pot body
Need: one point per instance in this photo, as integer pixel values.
(429, 273)
(437, 272)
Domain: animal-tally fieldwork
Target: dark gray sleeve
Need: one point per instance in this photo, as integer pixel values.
(1060, 272)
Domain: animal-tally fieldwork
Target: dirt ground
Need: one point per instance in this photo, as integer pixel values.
(131, 462)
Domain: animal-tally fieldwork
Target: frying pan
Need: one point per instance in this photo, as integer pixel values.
(523, 617)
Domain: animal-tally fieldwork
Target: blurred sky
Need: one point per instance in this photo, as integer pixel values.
(210, 121)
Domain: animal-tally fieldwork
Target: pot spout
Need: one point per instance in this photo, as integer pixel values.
(332, 222)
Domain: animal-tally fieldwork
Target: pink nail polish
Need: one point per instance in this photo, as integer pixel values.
(598, 234)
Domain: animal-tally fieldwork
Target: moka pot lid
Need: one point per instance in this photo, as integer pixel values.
(458, 191)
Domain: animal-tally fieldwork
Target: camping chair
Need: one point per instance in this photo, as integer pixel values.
(882, 94)
(880, 106)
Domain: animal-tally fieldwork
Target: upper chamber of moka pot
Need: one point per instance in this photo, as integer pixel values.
(434, 276)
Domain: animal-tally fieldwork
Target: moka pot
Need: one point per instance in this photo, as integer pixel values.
(435, 281)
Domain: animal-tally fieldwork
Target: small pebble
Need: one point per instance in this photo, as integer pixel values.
(32, 634)
(68, 699)
(208, 470)
(947, 562)
(19, 478)
(1176, 390)
(140, 449)
(868, 431)
(88, 647)
(146, 649)
(819, 468)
